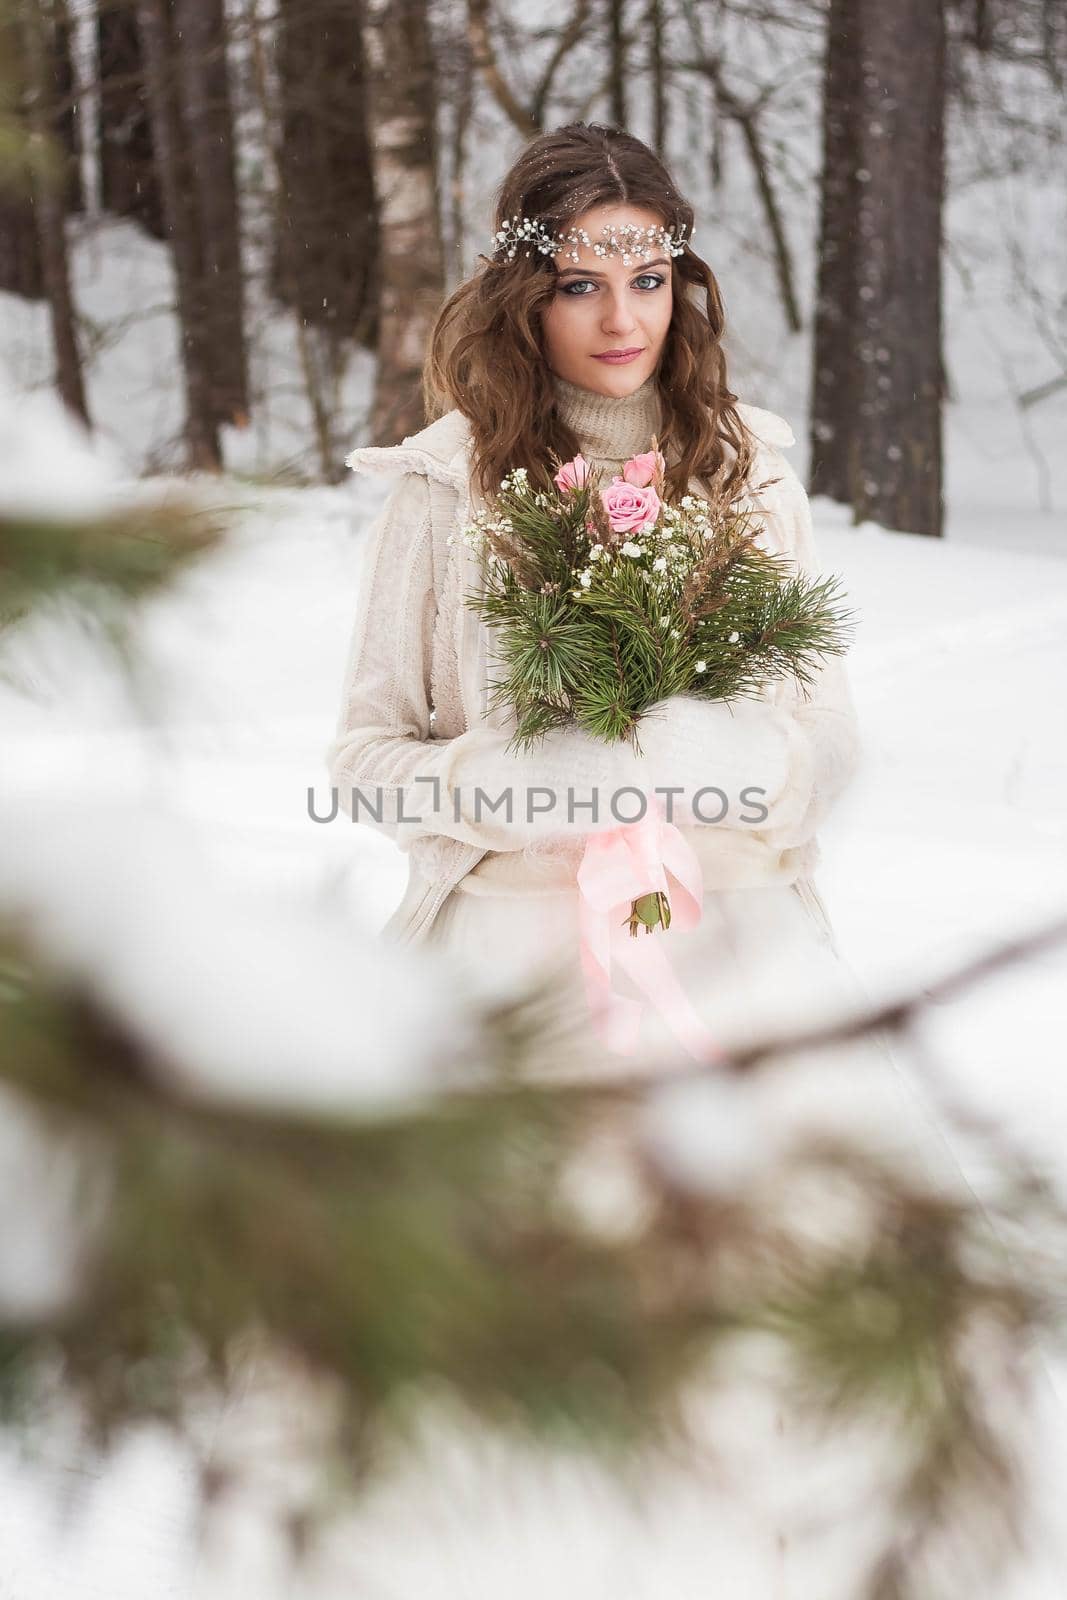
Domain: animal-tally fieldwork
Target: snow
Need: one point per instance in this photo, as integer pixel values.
(52, 1247)
(38, 435)
(241, 998)
(163, 824)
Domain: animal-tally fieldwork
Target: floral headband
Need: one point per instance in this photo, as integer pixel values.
(627, 240)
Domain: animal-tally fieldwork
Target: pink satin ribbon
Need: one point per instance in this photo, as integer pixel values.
(617, 867)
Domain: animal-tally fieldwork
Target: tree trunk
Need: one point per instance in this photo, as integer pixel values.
(50, 189)
(21, 267)
(617, 62)
(326, 248)
(66, 124)
(200, 27)
(658, 70)
(129, 182)
(403, 104)
(201, 429)
(832, 399)
(459, 96)
(897, 468)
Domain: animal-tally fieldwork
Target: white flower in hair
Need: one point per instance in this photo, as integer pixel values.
(626, 240)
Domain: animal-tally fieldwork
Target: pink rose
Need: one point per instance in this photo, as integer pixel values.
(630, 507)
(641, 470)
(573, 474)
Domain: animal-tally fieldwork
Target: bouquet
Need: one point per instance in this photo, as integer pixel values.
(607, 599)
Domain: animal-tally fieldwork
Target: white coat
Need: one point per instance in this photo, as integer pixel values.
(416, 689)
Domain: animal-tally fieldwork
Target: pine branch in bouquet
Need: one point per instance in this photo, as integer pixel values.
(603, 603)
(792, 625)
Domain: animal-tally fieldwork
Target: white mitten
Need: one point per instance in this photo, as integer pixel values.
(551, 785)
(755, 753)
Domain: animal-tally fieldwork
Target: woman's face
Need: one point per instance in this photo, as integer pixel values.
(600, 305)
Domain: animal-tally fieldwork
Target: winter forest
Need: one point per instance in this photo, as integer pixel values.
(313, 1281)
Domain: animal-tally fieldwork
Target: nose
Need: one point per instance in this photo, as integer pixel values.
(618, 316)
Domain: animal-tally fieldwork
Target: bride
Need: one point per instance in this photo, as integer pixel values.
(591, 326)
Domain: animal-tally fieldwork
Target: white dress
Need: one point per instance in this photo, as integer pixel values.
(752, 948)
(762, 962)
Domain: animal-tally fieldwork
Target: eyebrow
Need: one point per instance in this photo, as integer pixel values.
(582, 272)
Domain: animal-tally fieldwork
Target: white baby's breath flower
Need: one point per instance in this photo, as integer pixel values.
(586, 579)
(702, 666)
(660, 564)
(632, 549)
(733, 637)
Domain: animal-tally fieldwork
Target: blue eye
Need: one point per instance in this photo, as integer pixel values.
(581, 283)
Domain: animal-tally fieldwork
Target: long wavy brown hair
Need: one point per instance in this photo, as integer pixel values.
(486, 352)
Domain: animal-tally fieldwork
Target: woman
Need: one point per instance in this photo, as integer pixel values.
(573, 344)
(525, 356)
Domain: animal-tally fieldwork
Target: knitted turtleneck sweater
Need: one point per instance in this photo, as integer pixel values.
(610, 429)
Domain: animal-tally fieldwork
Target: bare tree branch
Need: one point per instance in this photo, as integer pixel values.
(570, 36)
(485, 62)
(746, 114)
(527, 120)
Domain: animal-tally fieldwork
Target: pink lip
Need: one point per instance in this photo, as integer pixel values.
(618, 356)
